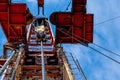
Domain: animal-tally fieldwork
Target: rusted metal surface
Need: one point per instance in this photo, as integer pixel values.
(77, 23)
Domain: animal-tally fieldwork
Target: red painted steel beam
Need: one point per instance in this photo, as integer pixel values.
(4, 1)
(17, 13)
(46, 54)
(61, 18)
(48, 67)
(77, 23)
(38, 74)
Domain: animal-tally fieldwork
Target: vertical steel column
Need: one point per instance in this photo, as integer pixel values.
(43, 63)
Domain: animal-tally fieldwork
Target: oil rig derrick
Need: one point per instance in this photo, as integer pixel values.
(32, 51)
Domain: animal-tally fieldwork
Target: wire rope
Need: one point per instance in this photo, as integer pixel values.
(90, 47)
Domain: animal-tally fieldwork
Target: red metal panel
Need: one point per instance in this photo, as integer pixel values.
(12, 32)
(13, 20)
(77, 33)
(17, 33)
(81, 27)
(89, 27)
(78, 19)
(3, 7)
(4, 1)
(40, 2)
(79, 8)
(61, 18)
(18, 8)
(15, 30)
(88, 38)
(3, 17)
(89, 18)
(89, 23)
(80, 2)
(17, 19)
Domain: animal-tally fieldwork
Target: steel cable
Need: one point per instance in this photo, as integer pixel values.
(90, 47)
(96, 44)
(111, 19)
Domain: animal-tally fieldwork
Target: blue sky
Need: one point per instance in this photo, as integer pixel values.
(95, 66)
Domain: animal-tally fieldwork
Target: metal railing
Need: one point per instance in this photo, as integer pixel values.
(77, 64)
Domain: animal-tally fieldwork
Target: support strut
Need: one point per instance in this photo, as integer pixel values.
(7, 62)
(17, 64)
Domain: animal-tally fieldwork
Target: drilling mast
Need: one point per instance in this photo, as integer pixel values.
(34, 51)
